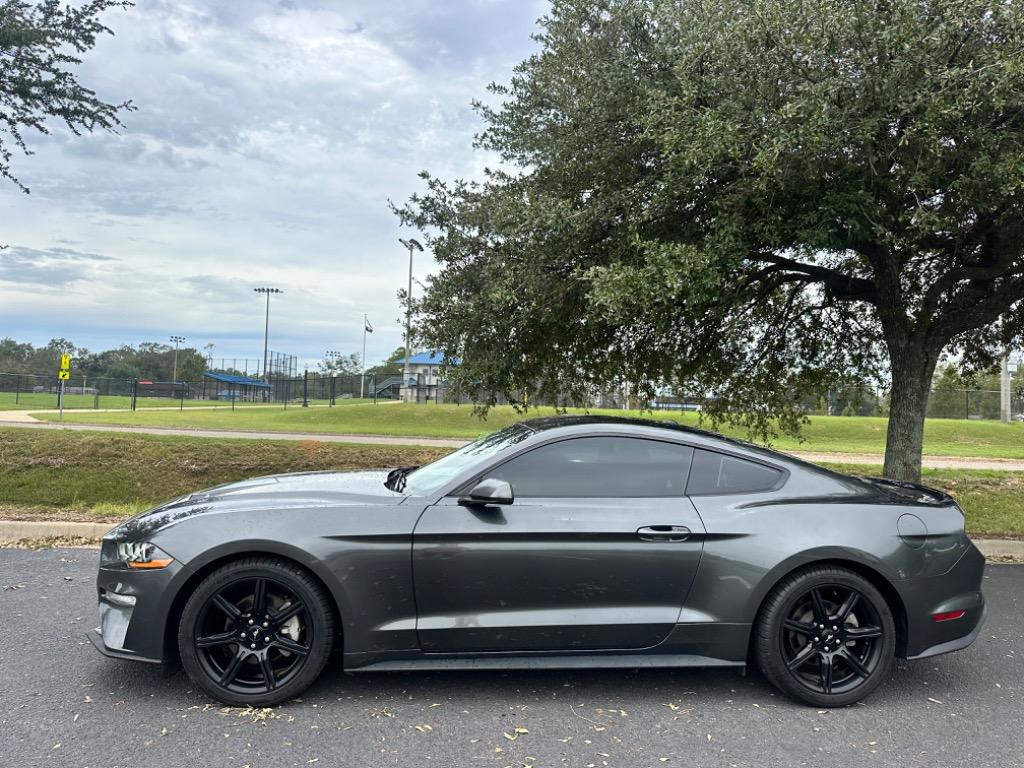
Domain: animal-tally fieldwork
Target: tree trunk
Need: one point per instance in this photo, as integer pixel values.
(912, 371)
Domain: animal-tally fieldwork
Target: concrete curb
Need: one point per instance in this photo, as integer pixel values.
(16, 530)
(1001, 548)
(12, 531)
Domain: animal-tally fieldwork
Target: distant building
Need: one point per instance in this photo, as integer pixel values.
(424, 376)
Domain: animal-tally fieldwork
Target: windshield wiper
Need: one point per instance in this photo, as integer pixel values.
(396, 478)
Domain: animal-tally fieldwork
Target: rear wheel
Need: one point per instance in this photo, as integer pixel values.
(826, 637)
(256, 632)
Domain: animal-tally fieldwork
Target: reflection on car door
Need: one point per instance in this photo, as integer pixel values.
(597, 551)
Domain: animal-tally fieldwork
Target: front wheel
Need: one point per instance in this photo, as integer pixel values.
(256, 632)
(826, 637)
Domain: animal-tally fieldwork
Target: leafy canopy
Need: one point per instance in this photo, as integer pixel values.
(747, 198)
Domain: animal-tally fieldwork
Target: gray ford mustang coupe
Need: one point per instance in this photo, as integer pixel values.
(558, 542)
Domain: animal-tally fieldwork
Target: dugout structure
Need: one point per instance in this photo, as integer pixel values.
(232, 388)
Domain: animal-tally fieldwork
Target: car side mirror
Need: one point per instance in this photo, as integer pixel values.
(490, 491)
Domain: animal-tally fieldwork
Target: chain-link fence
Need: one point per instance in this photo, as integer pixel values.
(26, 391)
(943, 403)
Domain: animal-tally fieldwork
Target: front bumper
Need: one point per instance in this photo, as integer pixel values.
(133, 608)
(96, 638)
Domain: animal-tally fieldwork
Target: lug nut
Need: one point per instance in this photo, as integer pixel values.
(250, 621)
(253, 646)
(264, 623)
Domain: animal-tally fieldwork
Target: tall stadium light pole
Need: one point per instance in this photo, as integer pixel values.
(412, 245)
(266, 327)
(177, 340)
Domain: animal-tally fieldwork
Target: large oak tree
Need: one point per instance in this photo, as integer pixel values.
(748, 198)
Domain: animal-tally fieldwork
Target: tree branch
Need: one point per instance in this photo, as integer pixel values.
(840, 285)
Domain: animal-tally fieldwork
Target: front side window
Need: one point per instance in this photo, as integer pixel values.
(610, 467)
(716, 473)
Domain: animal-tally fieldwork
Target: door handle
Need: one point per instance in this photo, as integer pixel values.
(663, 533)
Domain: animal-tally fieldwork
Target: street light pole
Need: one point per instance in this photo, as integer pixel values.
(266, 327)
(177, 340)
(412, 245)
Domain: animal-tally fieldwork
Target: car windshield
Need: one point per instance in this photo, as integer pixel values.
(432, 477)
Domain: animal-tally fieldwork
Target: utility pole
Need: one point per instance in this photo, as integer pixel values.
(412, 245)
(266, 328)
(1004, 389)
(177, 340)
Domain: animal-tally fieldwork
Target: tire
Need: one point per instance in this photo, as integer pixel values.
(256, 632)
(825, 636)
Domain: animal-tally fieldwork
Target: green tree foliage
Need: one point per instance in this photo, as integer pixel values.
(149, 360)
(340, 365)
(391, 366)
(749, 198)
(40, 45)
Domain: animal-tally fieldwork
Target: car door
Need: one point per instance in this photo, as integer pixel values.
(597, 551)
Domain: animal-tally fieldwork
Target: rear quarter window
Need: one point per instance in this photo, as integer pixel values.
(715, 473)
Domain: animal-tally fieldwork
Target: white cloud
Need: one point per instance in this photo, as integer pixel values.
(268, 139)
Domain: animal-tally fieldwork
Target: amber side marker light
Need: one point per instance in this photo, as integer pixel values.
(165, 563)
(948, 615)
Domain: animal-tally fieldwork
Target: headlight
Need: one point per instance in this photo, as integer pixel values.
(134, 554)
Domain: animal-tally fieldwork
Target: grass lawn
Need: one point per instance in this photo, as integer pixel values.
(116, 475)
(107, 476)
(840, 434)
(29, 401)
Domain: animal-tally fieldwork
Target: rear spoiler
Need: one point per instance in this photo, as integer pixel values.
(922, 494)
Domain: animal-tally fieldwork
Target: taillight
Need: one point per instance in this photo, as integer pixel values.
(948, 615)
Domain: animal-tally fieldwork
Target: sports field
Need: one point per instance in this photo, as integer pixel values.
(827, 434)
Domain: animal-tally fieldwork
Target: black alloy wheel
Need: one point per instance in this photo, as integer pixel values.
(826, 637)
(256, 632)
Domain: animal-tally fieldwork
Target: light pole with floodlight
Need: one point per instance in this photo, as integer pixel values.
(266, 328)
(177, 340)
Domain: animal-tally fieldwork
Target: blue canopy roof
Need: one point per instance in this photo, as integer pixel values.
(241, 381)
(429, 358)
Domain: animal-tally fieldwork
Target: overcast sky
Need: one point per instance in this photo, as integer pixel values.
(268, 139)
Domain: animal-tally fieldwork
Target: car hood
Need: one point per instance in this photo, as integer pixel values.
(277, 492)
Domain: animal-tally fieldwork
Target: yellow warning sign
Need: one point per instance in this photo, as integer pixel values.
(65, 363)
(64, 375)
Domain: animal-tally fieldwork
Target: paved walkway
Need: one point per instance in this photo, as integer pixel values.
(21, 419)
(239, 434)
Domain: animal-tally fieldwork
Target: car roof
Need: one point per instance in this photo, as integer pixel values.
(544, 423)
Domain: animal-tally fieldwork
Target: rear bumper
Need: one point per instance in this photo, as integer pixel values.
(959, 589)
(957, 644)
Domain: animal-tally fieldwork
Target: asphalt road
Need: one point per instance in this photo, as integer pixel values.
(62, 704)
